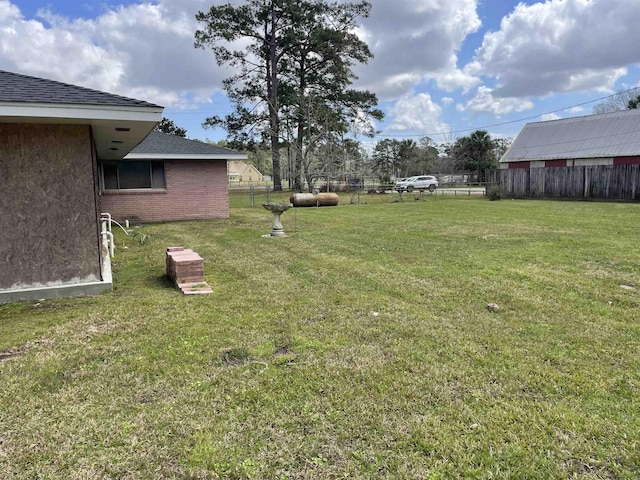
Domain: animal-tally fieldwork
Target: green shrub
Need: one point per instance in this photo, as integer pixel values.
(494, 193)
(385, 180)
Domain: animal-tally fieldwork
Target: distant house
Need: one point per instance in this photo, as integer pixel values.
(239, 171)
(594, 156)
(53, 138)
(167, 178)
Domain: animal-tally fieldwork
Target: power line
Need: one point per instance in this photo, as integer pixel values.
(226, 110)
(485, 127)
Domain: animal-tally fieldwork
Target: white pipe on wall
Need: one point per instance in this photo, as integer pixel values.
(106, 216)
(109, 235)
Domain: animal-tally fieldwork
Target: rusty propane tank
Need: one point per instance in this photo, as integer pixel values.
(314, 199)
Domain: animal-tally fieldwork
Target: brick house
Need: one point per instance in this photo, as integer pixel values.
(54, 136)
(167, 178)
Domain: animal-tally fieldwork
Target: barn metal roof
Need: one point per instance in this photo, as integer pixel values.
(607, 135)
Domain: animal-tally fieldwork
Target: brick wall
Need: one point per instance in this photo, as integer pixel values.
(196, 189)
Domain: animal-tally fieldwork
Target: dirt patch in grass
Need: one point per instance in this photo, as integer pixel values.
(13, 353)
(234, 356)
(10, 354)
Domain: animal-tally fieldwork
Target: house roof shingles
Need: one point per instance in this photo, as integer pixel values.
(158, 143)
(18, 88)
(614, 134)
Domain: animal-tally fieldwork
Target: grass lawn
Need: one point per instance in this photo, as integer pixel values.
(359, 346)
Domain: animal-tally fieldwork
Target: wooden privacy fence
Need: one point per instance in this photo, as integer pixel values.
(612, 182)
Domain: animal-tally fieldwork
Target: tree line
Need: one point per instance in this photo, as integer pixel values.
(389, 159)
(392, 158)
(471, 154)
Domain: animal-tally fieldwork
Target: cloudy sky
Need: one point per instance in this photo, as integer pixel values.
(442, 68)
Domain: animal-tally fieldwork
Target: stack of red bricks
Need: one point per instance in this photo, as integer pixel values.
(185, 268)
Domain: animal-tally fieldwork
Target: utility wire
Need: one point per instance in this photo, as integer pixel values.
(226, 110)
(532, 117)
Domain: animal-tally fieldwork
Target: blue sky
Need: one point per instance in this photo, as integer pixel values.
(442, 68)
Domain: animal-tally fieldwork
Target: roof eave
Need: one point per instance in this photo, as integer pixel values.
(187, 156)
(80, 112)
(565, 157)
(116, 129)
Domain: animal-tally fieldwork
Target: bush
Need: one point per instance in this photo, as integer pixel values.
(385, 180)
(494, 193)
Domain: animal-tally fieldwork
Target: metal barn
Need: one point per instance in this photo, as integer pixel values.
(589, 157)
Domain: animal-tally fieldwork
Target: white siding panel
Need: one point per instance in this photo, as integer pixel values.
(592, 162)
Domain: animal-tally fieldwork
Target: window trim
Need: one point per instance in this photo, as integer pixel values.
(117, 163)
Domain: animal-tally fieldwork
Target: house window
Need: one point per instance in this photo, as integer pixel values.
(133, 175)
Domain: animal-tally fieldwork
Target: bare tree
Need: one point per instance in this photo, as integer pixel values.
(628, 99)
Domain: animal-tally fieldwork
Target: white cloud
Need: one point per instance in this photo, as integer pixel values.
(414, 41)
(485, 101)
(145, 49)
(417, 113)
(141, 50)
(7, 10)
(455, 78)
(560, 46)
(28, 46)
(550, 116)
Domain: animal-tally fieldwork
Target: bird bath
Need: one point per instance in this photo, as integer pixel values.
(277, 209)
